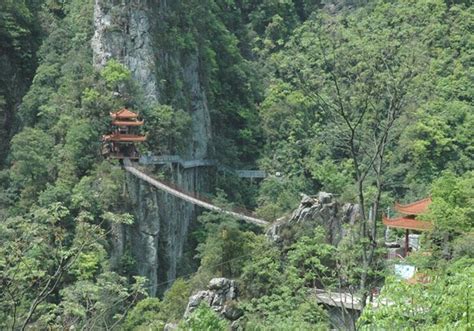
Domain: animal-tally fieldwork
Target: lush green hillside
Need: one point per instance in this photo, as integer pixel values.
(369, 100)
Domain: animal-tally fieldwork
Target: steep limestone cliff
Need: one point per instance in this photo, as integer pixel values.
(123, 32)
(13, 85)
(127, 31)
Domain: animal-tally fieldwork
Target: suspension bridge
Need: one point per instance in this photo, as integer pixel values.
(189, 197)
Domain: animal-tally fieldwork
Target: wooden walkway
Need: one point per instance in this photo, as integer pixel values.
(338, 299)
(128, 165)
(345, 299)
(169, 159)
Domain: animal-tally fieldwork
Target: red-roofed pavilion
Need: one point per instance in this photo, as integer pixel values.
(123, 113)
(120, 143)
(414, 208)
(408, 219)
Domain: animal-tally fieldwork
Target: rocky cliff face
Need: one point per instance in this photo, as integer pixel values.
(126, 30)
(15, 80)
(221, 295)
(12, 87)
(122, 31)
(321, 210)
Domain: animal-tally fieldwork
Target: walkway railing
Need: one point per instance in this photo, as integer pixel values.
(190, 197)
(167, 159)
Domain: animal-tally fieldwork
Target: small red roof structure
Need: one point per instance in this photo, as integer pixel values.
(117, 137)
(407, 223)
(411, 211)
(127, 123)
(123, 113)
(121, 142)
(414, 208)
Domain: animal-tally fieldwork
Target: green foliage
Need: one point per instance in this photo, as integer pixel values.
(144, 316)
(114, 73)
(81, 147)
(35, 252)
(334, 177)
(453, 202)
(463, 246)
(275, 285)
(175, 300)
(167, 129)
(204, 31)
(307, 316)
(311, 261)
(101, 304)
(204, 318)
(279, 195)
(56, 87)
(31, 156)
(101, 191)
(263, 270)
(20, 37)
(282, 79)
(151, 313)
(225, 248)
(285, 309)
(441, 304)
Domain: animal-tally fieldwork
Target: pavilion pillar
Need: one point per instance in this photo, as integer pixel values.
(407, 242)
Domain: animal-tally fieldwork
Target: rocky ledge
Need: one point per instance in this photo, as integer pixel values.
(320, 210)
(221, 296)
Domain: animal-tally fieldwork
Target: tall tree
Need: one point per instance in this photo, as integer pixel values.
(358, 69)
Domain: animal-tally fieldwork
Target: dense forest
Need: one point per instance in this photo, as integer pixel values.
(342, 103)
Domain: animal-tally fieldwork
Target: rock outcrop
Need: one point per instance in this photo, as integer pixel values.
(221, 296)
(122, 31)
(130, 31)
(321, 210)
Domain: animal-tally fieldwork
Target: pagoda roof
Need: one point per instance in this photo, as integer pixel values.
(118, 137)
(123, 113)
(127, 123)
(414, 208)
(407, 223)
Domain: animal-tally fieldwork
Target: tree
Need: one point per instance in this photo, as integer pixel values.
(443, 303)
(175, 301)
(311, 261)
(20, 36)
(37, 255)
(263, 271)
(102, 304)
(452, 213)
(33, 262)
(31, 151)
(167, 129)
(204, 318)
(81, 148)
(223, 252)
(144, 315)
(453, 202)
(275, 284)
(359, 69)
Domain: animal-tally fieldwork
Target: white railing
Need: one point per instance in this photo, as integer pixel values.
(167, 159)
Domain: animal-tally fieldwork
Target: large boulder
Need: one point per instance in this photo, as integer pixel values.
(221, 296)
(321, 210)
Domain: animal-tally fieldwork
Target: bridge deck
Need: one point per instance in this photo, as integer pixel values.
(338, 299)
(167, 159)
